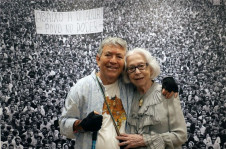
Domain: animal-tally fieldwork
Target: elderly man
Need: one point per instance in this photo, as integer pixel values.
(90, 95)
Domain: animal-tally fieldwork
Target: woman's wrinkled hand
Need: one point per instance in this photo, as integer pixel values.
(131, 140)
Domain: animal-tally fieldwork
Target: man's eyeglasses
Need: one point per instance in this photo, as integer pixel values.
(140, 67)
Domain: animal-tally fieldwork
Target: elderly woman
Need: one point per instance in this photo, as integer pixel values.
(154, 121)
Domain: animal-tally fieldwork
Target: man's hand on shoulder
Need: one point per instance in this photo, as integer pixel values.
(169, 87)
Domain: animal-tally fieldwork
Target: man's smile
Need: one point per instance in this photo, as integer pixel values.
(112, 68)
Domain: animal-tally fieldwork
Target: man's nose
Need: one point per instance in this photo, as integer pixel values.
(113, 59)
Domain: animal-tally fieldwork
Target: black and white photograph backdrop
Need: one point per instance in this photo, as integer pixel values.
(37, 69)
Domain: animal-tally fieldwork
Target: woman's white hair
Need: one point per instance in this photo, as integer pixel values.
(152, 62)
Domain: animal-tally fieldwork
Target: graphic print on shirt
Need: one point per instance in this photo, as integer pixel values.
(117, 110)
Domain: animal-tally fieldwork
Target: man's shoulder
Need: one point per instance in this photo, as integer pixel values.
(86, 80)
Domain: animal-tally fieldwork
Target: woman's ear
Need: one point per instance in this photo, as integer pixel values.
(151, 72)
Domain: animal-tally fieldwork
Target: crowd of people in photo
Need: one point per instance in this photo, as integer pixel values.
(187, 36)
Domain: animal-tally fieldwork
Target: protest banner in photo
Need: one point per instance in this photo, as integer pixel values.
(69, 23)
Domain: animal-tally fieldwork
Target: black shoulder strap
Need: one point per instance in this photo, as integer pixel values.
(102, 91)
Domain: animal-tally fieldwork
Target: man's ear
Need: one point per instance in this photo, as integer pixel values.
(98, 59)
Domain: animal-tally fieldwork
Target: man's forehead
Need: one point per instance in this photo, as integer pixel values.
(113, 46)
(112, 51)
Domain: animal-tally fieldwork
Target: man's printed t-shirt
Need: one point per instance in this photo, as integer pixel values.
(107, 134)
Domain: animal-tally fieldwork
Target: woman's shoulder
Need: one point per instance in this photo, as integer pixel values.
(154, 94)
(157, 87)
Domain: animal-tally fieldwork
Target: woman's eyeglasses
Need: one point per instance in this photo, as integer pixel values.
(132, 69)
